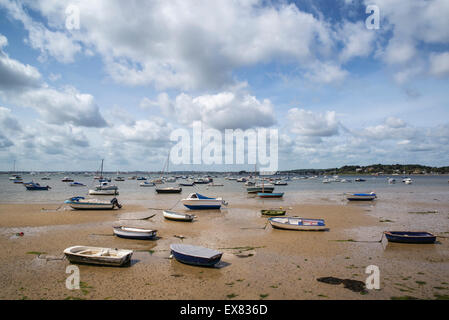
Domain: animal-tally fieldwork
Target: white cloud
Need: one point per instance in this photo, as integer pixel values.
(439, 64)
(308, 123)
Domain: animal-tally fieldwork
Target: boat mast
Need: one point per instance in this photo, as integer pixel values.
(101, 172)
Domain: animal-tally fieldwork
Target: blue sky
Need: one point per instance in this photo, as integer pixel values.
(337, 92)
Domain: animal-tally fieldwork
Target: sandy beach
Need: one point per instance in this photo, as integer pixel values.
(259, 262)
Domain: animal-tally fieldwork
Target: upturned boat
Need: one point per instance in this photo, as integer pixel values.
(410, 236)
(361, 196)
(302, 224)
(176, 216)
(81, 203)
(98, 256)
(196, 201)
(195, 255)
(135, 233)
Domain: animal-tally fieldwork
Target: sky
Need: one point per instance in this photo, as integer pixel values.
(82, 81)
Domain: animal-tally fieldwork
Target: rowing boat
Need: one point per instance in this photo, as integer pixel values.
(176, 216)
(301, 224)
(410, 236)
(98, 256)
(135, 233)
(195, 255)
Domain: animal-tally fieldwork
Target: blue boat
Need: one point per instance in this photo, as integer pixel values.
(76, 184)
(270, 195)
(361, 196)
(35, 186)
(410, 236)
(195, 255)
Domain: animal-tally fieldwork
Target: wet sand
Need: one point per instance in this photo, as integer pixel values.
(259, 262)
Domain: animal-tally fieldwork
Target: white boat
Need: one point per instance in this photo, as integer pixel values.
(407, 181)
(106, 186)
(361, 196)
(135, 233)
(292, 223)
(281, 183)
(81, 203)
(119, 179)
(171, 215)
(147, 184)
(98, 256)
(196, 201)
(391, 181)
(213, 184)
(103, 192)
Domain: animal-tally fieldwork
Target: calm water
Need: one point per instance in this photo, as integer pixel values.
(425, 189)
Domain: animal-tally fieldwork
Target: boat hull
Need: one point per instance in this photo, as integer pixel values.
(273, 212)
(410, 237)
(169, 190)
(361, 197)
(150, 235)
(178, 216)
(196, 260)
(270, 195)
(78, 258)
(306, 225)
(260, 189)
(103, 192)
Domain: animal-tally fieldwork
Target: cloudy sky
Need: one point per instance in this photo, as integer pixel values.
(116, 87)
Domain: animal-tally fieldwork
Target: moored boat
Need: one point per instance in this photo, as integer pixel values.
(81, 203)
(410, 236)
(67, 179)
(266, 188)
(302, 224)
(147, 184)
(34, 186)
(197, 201)
(270, 195)
(176, 216)
(135, 233)
(195, 255)
(169, 190)
(273, 212)
(98, 256)
(103, 192)
(361, 196)
(77, 184)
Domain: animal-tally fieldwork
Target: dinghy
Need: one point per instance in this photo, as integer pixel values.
(186, 184)
(76, 184)
(135, 233)
(410, 237)
(147, 184)
(273, 212)
(171, 215)
(270, 195)
(34, 186)
(196, 201)
(80, 203)
(67, 179)
(361, 196)
(302, 224)
(195, 255)
(103, 192)
(169, 190)
(98, 256)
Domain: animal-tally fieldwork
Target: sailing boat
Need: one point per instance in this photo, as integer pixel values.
(104, 188)
(257, 188)
(15, 177)
(168, 189)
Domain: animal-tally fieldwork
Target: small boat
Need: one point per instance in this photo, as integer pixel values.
(67, 179)
(391, 181)
(147, 184)
(76, 184)
(273, 212)
(241, 179)
(171, 215)
(103, 192)
(169, 190)
(410, 237)
(18, 181)
(201, 181)
(104, 185)
(81, 203)
(33, 186)
(196, 201)
(359, 180)
(407, 181)
(213, 184)
(45, 178)
(281, 183)
(270, 195)
(361, 196)
(16, 177)
(186, 184)
(135, 233)
(195, 255)
(141, 178)
(267, 188)
(302, 224)
(119, 179)
(250, 183)
(98, 256)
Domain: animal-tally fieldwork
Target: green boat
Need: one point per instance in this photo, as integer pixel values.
(273, 212)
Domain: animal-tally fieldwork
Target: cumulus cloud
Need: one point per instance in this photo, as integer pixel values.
(439, 64)
(311, 124)
(224, 110)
